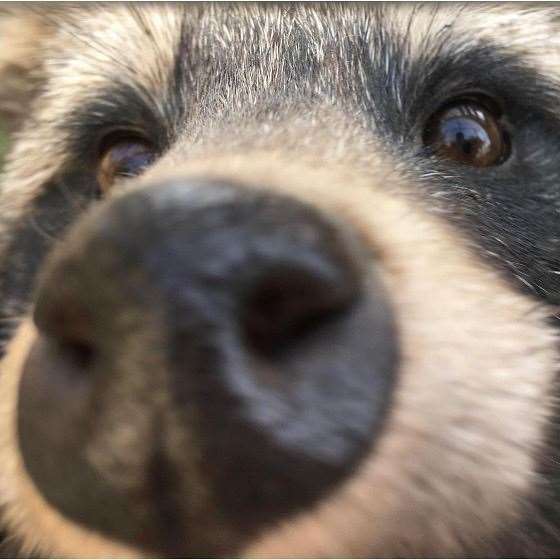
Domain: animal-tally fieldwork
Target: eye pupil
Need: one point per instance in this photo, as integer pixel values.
(468, 133)
(466, 136)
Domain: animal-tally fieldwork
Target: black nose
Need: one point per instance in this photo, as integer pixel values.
(210, 359)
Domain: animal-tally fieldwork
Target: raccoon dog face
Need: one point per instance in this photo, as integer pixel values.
(280, 280)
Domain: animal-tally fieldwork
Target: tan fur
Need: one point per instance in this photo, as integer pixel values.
(21, 38)
(526, 29)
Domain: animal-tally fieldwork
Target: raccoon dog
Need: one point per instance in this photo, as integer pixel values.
(280, 280)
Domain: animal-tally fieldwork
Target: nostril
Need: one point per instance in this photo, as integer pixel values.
(80, 355)
(287, 303)
(67, 327)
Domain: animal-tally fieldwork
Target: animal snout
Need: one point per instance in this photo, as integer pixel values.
(208, 356)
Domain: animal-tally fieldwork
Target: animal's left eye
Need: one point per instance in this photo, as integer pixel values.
(470, 132)
(122, 157)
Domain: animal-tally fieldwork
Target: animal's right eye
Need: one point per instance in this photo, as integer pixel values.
(122, 157)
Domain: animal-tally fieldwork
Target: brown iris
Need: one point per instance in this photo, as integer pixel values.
(468, 132)
(121, 158)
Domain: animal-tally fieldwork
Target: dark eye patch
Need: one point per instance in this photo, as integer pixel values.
(119, 107)
(509, 210)
(74, 187)
(33, 235)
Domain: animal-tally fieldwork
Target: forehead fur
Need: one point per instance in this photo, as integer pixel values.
(225, 55)
(144, 40)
